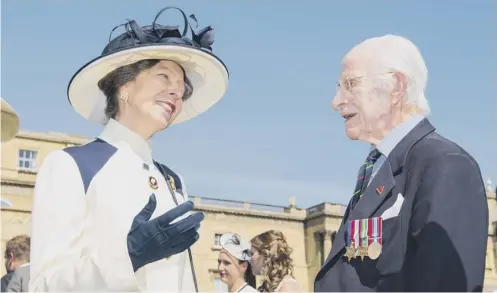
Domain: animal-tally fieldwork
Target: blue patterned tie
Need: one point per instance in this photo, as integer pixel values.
(365, 173)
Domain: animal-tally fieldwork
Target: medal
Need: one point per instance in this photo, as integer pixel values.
(351, 235)
(152, 182)
(375, 241)
(374, 250)
(362, 252)
(350, 253)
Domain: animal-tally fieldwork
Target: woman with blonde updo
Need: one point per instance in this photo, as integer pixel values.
(271, 259)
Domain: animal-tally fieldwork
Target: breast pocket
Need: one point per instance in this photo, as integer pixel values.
(391, 258)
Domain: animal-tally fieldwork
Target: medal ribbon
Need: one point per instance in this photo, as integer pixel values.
(349, 234)
(352, 234)
(375, 230)
(376, 235)
(380, 230)
(370, 231)
(357, 230)
(364, 233)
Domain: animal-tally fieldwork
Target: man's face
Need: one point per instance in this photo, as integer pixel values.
(363, 99)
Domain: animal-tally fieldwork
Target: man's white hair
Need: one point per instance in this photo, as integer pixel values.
(396, 53)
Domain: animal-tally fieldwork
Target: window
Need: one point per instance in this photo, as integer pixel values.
(27, 160)
(219, 286)
(217, 239)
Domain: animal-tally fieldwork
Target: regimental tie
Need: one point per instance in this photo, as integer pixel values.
(365, 173)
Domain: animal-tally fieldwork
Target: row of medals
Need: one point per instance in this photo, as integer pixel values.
(373, 251)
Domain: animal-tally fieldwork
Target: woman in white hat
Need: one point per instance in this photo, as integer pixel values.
(234, 264)
(10, 127)
(10, 122)
(106, 216)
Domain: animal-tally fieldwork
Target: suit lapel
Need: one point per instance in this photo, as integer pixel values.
(373, 198)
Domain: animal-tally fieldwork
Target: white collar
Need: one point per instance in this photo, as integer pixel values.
(391, 140)
(118, 135)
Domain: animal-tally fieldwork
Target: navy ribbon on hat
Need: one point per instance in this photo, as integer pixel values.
(159, 34)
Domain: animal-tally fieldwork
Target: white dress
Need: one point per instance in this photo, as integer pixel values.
(80, 222)
(246, 288)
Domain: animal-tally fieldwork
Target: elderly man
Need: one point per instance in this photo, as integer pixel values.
(417, 219)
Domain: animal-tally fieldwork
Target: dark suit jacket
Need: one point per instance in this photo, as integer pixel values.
(20, 280)
(5, 281)
(438, 241)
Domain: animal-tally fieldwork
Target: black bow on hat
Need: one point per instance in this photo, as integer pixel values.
(157, 34)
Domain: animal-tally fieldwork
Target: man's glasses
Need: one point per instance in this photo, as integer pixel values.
(348, 84)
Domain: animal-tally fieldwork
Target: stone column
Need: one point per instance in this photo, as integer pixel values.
(327, 241)
(323, 237)
(320, 254)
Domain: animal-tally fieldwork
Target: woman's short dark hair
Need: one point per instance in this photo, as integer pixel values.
(249, 276)
(111, 83)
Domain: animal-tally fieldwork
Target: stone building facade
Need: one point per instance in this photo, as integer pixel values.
(309, 231)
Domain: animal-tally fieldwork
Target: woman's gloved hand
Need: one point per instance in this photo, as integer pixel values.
(150, 241)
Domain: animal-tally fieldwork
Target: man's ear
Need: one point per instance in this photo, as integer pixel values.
(400, 87)
(11, 256)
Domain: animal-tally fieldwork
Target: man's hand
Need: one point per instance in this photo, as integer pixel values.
(150, 241)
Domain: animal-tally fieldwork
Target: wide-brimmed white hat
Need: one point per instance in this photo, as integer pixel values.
(236, 246)
(207, 73)
(10, 122)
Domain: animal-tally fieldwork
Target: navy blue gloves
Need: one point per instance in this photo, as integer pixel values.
(150, 241)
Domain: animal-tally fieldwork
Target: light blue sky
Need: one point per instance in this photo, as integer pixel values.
(274, 134)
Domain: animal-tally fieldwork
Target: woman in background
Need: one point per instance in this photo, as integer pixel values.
(271, 259)
(234, 264)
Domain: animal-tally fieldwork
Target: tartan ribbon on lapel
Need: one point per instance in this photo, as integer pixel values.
(365, 173)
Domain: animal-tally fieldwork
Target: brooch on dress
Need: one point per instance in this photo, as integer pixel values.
(153, 182)
(171, 181)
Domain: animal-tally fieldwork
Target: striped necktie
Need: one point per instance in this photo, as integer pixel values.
(365, 173)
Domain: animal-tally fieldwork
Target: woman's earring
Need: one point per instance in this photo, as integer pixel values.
(124, 97)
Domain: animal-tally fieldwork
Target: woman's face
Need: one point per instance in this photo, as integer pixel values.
(257, 261)
(155, 97)
(230, 268)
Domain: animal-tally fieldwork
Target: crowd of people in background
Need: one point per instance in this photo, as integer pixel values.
(267, 255)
